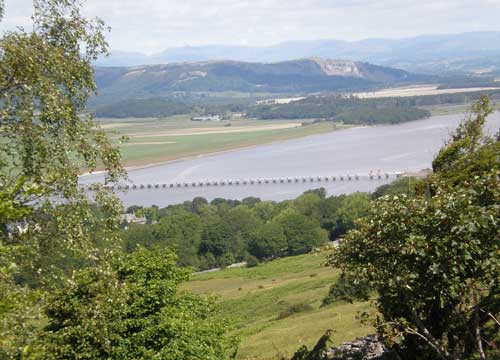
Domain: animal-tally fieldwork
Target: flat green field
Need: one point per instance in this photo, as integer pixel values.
(254, 297)
(158, 140)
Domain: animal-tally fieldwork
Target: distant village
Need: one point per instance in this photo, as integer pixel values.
(217, 118)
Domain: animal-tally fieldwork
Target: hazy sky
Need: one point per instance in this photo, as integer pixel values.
(153, 25)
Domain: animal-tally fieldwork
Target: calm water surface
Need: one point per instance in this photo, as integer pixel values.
(391, 148)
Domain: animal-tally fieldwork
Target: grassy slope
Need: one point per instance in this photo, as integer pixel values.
(175, 147)
(254, 297)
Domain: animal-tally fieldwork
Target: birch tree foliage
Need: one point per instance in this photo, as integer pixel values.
(46, 139)
(66, 289)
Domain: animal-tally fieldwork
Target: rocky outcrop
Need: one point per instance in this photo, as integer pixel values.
(339, 67)
(368, 347)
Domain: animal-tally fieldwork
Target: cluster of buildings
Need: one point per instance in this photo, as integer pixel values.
(218, 118)
(128, 219)
(207, 118)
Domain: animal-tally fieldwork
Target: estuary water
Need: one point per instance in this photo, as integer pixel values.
(387, 149)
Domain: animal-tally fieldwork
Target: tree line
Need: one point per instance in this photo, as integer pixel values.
(334, 107)
(363, 111)
(165, 107)
(349, 110)
(216, 234)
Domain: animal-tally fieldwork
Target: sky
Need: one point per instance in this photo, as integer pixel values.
(151, 26)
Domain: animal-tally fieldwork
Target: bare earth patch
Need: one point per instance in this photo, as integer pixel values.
(218, 130)
(280, 100)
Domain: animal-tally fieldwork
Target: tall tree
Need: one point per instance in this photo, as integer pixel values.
(141, 314)
(60, 259)
(267, 241)
(46, 138)
(434, 257)
(302, 233)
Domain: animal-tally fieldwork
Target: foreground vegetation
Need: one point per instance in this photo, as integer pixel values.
(276, 306)
(67, 291)
(433, 256)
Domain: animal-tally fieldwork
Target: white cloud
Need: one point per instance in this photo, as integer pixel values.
(152, 25)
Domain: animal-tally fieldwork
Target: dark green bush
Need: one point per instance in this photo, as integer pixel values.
(294, 309)
(252, 261)
(347, 289)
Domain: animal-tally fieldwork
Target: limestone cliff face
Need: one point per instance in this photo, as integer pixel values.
(360, 70)
(339, 67)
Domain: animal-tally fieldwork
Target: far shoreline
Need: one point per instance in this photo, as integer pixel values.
(213, 153)
(245, 147)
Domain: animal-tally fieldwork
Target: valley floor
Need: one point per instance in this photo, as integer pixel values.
(153, 141)
(159, 140)
(255, 297)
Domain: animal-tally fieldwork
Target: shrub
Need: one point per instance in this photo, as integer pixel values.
(347, 288)
(252, 261)
(294, 309)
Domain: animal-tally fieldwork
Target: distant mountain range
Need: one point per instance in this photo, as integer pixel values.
(477, 52)
(298, 76)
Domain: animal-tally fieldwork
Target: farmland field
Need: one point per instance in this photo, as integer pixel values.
(419, 90)
(253, 298)
(154, 140)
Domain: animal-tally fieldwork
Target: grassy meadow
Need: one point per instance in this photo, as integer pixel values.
(257, 300)
(152, 140)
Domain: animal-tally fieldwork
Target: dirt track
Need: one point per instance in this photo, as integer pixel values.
(150, 143)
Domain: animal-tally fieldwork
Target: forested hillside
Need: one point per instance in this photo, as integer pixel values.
(351, 111)
(361, 111)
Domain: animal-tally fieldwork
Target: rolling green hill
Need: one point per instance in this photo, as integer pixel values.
(276, 306)
(306, 75)
(458, 53)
